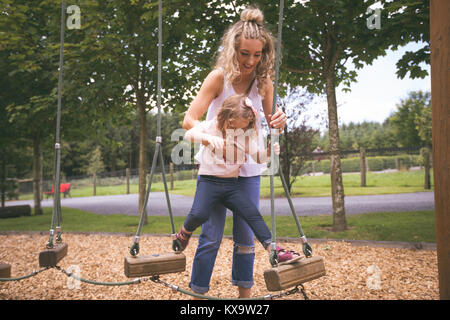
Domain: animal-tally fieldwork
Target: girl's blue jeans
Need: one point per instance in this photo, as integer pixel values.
(244, 190)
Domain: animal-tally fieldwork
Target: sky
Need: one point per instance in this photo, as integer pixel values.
(376, 92)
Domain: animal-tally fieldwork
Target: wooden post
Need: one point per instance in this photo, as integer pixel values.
(427, 165)
(95, 183)
(362, 165)
(171, 176)
(440, 75)
(128, 180)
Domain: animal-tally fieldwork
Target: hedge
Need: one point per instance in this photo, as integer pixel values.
(375, 163)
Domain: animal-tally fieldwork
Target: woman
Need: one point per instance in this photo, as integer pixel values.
(244, 66)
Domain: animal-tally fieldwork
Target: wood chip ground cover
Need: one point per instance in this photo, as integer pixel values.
(353, 272)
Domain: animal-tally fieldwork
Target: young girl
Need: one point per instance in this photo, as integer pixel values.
(234, 125)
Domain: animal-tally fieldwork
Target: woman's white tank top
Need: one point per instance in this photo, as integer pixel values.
(250, 168)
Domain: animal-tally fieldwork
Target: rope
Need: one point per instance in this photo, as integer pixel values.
(99, 283)
(134, 249)
(32, 274)
(155, 279)
(175, 288)
(56, 216)
(291, 205)
(273, 256)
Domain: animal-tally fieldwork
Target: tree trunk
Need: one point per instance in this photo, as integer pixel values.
(337, 187)
(3, 178)
(37, 176)
(142, 154)
(41, 175)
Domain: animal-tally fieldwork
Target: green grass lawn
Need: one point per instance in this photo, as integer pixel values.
(307, 186)
(417, 226)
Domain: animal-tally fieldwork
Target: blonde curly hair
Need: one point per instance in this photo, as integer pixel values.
(251, 26)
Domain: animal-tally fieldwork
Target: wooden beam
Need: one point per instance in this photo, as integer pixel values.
(440, 90)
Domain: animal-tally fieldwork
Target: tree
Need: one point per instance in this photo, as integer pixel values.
(296, 140)
(409, 117)
(410, 21)
(118, 56)
(95, 161)
(27, 49)
(319, 38)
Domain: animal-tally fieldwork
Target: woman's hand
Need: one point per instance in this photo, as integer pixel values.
(278, 120)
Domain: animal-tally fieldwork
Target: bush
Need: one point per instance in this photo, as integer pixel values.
(378, 163)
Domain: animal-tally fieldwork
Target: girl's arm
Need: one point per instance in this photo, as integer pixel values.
(260, 155)
(198, 134)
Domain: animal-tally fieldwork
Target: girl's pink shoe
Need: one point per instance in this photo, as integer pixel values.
(284, 255)
(182, 240)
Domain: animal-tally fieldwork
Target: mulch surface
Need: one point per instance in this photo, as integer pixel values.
(353, 272)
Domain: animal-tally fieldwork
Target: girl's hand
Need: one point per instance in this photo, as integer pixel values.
(278, 119)
(276, 148)
(215, 142)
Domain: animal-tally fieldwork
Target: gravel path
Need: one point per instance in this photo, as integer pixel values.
(157, 205)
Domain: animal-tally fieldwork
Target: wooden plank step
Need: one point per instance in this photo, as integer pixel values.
(5, 270)
(51, 257)
(291, 274)
(155, 264)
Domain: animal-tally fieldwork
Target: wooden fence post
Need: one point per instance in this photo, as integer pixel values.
(171, 176)
(427, 165)
(362, 164)
(128, 180)
(95, 183)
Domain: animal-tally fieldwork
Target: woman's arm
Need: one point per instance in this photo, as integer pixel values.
(211, 88)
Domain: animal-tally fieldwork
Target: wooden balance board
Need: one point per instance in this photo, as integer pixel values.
(294, 272)
(155, 264)
(51, 257)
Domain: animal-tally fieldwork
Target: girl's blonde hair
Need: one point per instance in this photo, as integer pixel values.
(234, 107)
(251, 26)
